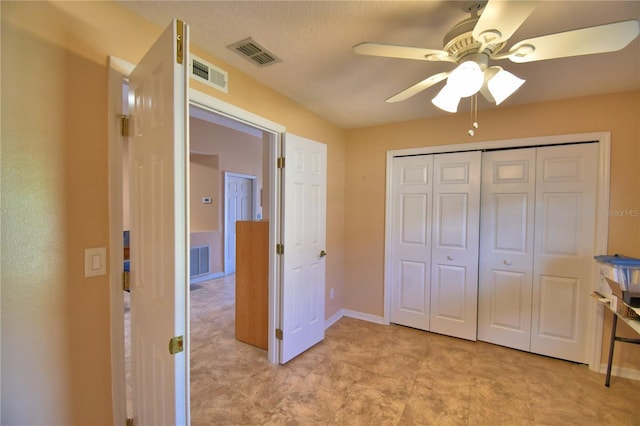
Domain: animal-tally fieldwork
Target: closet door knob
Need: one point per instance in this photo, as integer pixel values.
(449, 258)
(507, 262)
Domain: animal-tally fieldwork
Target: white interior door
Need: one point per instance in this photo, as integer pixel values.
(564, 247)
(455, 234)
(304, 228)
(506, 247)
(159, 155)
(239, 206)
(412, 192)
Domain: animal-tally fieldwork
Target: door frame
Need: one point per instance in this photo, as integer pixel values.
(254, 207)
(595, 314)
(118, 72)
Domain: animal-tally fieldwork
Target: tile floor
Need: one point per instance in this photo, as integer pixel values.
(369, 374)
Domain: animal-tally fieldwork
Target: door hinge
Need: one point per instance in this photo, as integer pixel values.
(180, 42)
(129, 422)
(126, 283)
(281, 162)
(279, 333)
(176, 345)
(124, 125)
(279, 248)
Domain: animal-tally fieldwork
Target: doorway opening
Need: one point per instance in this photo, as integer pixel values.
(218, 144)
(236, 119)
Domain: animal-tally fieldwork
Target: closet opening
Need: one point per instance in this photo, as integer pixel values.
(425, 218)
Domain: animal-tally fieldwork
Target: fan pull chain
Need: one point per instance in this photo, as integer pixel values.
(474, 115)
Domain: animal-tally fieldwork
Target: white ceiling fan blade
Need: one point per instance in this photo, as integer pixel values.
(418, 87)
(402, 52)
(500, 19)
(585, 41)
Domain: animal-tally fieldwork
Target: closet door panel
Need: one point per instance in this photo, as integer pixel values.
(564, 248)
(454, 259)
(506, 247)
(412, 188)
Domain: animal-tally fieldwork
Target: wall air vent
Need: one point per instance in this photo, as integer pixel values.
(201, 70)
(199, 257)
(254, 53)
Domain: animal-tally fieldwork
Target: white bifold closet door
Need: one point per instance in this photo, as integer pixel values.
(537, 246)
(506, 247)
(412, 189)
(435, 211)
(564, 246)
(454, 254)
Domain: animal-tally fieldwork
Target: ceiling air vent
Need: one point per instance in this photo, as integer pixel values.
(253, 52)
(206, 73)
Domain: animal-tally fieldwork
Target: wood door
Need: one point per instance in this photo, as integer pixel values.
(506, 247)
(412, 189)
(252, 283)
(159, 234)
(304, 225)
(455, 235)
(565, 221)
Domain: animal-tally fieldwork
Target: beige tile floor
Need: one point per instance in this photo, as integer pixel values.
(369, 374)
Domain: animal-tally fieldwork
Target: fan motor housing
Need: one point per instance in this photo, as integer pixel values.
(459, 41)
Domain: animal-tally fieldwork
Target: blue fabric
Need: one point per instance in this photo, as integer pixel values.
(619, 260)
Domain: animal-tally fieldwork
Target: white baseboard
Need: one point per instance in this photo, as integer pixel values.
(333, 319)
(365, 317)
(353, 314)
(627, 373)
(208, 277)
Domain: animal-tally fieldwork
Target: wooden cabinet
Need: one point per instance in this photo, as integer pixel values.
(252, 282)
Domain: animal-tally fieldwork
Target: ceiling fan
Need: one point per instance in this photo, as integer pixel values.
(473, 42)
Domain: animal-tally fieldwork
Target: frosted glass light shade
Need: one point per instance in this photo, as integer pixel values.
(503, 84)
(466, 79)
(447, 99)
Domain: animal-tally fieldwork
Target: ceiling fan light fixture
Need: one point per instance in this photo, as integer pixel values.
(466, 80)
(447, 99)
(502, 84)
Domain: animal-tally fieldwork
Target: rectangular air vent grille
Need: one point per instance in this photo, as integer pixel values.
(199, 261)
(254, 52)
(211, 75)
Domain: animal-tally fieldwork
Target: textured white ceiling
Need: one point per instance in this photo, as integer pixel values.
(320, 71)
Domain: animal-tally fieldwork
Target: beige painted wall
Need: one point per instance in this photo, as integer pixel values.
(54, 194)
(365, 178)
(203, 182)
(204, 176)
(234, 151)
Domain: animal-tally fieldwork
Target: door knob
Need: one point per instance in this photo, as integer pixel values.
(323, 253)
(449, 258)
(507, 262)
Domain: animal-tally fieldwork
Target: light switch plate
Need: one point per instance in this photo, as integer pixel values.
(95, 262)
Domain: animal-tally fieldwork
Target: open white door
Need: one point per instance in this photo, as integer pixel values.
(239, 205)
(304, 224)
(159, 154)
